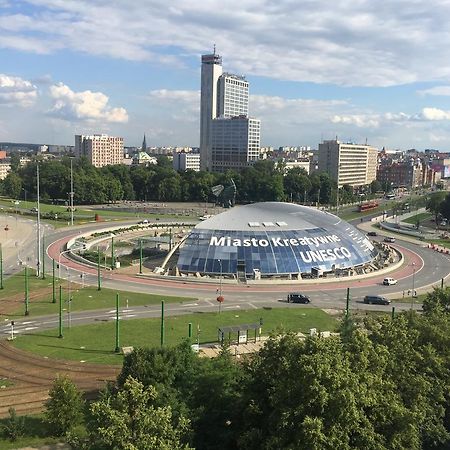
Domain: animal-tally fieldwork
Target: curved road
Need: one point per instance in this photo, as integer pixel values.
(429, 268)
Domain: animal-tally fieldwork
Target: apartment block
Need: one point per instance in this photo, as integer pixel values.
(347, 163)
(100, 149)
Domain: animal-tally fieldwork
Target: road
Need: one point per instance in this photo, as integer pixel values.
(422, 268)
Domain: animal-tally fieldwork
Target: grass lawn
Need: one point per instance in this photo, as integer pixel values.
(418, 217)
(87, 298)
(96, 343)
(81, 215)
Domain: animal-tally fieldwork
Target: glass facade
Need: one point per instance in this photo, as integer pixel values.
(274, 252)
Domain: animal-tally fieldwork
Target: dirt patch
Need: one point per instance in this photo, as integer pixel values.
(32, 377)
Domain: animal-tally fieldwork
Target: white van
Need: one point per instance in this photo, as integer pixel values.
(389, 281)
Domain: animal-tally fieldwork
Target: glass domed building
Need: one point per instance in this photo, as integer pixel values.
(273, 239)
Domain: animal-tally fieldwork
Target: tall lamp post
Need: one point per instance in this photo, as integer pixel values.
(413, 280)
(71, 193)
(220, 298)
(38, 265)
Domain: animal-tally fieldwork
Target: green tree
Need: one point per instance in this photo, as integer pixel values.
(129, 420)
(375, 187)
(12, 185)
(14, 426)
(445, 207)
(296, 184)
(64, 408)
(434, 203)
(437, 300)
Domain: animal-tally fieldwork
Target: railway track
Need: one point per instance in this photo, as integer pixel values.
(32, 377)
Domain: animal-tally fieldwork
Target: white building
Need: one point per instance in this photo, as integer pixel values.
(232, 96)
(224, 105)
(235, 143)
(100, 149)
(5, 168)
(352, 164)
(211, 71)
(183, 161)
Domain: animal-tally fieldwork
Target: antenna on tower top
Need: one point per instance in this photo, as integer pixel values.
(214, 49)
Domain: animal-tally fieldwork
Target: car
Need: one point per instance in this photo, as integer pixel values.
(295, 297)
(389, 239)
(144, 222)
(372, 233)
(389, 281)
(376, 300)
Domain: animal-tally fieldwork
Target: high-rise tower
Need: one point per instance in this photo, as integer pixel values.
(229, 139)
(211, 71)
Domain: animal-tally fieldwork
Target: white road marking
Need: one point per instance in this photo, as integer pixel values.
(30, 328)
(26, 323)
(191, 304)
(253, 306)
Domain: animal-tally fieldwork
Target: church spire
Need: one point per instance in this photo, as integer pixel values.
(144, 145)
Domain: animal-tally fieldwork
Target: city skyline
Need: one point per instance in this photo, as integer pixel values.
(359, 72)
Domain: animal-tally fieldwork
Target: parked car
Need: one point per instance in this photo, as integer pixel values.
(376, 300)
(389, 281)
(144, 222)
(372, 233)
(295, 297)
(389, 239)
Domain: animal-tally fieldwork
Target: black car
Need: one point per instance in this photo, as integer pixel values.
(372, 233)
(295, 297)
(376, 300)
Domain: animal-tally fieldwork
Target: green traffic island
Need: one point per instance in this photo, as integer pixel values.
(12, 303)
(96, 343)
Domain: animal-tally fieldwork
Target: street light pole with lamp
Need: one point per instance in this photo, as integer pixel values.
(220, 298)
(413, 264)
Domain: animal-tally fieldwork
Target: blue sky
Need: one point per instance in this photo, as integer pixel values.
(357, 70)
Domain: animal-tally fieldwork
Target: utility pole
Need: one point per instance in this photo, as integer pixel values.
(140, 256)
(71, 193)
(38, 265)
(99, 285)
(117, 324)
(112, 251)
(1, 267)
(43, 257)
(60, 313)
(27, 312)
(53, 281)
(348, 302)
(162, 323)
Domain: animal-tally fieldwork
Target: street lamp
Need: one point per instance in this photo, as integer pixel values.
(413, 279)
(220, 278)
(220, 298)
(59, 262)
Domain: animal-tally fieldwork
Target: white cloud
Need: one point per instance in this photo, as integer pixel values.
(359, 120)
(437, 90)
(435, 114)
(16, 91)
(84, 106)
(353, 43)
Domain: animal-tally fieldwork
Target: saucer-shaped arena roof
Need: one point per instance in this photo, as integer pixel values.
(273, 238)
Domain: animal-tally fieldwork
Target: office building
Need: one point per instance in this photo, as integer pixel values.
(183, 161)
(232, 96)
(234, 143)
(224, 103)
(352, 164)
(100, 149)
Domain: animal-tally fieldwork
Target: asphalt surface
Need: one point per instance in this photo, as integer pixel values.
(429, 268)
